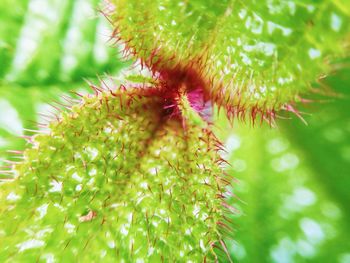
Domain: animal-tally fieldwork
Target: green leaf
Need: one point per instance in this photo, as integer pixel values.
(46, 49)
(255, 56)
(278, 206)
(293, 183)
(53, 42)
(326, 140)
(289, 211)
(116, 178)
(11, 19)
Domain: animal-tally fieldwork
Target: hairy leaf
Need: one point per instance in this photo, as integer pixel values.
(254, 56)
(120, 176)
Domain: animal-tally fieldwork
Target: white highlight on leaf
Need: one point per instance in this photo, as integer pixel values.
(336, 22)
(30, 244)
(271, 27)
(76, 177)
(304, 197)
(69, 227)
(12, 197)
(284, 251)
(56, 186)
(305, 249)
(111, 244)
(242, 13)
(42, 233)
(282, 81)
(286, 162)
(196, 210)
(267, 49)
(314, 53)
(300, 198)
(42, 210)
(9, 118)
(102, 36)
(292, 7)
(74, 44)
(344, 258)
(201, 244)
(245, 59)
(153, 170)
(124, 230)
(150, 251)
(143, 185)
(310, 8)
(93, 172)
(233, 143)
(3, 142)
(40, 18)
(312, 230)
(43, 108)
(92, 153)
(91, 182)
(254, 24)
(50, 258)
(239, 251)
(77, 155)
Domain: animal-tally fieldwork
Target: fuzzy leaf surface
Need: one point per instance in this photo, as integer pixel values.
(254, 55)
(115, 179)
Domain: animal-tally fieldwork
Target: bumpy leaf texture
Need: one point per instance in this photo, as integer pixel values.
(46, 49)
(125, 175)
(255, 56)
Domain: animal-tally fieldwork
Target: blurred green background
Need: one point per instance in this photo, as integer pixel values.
(293, 181)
